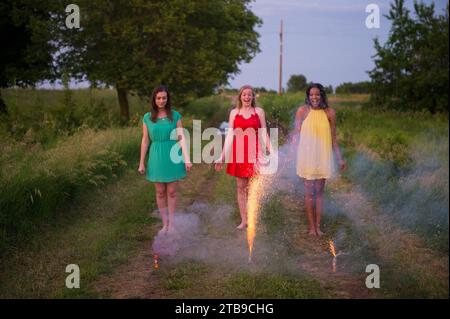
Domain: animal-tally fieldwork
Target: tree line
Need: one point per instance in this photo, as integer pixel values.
(411, 68)
(298, 83)
(194, 46)
(191, 46)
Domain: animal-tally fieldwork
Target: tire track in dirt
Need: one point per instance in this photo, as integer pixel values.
(312, 254)
(138, 278)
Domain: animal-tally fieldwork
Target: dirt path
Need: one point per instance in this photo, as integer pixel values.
(313, 254)
(138, 277)
(212, 242)
(114, 237)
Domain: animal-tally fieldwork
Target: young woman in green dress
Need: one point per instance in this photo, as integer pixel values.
(165, 166)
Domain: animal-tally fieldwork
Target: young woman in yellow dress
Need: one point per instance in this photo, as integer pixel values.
(315, 131)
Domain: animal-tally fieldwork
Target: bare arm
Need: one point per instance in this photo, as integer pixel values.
(144, 148)
(332, 118)
(228, 141)
(228, 137)
(265, 137)
(182, 141)
(299, 117)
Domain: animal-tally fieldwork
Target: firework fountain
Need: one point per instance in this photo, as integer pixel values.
(257, 191)
(334, 254)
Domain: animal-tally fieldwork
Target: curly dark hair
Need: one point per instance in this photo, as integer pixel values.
(323, 95)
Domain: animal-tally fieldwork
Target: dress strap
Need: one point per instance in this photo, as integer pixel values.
(253, 113)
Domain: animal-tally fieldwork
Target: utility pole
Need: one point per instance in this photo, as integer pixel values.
(280, 73)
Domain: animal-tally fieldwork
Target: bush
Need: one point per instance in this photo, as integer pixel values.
(211, 110)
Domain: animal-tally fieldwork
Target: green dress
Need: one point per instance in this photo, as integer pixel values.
(161, 168)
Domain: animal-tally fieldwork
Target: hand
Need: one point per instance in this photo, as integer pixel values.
(294, 140)
(218, 165)
(188, 166)
(141, 169)
(342, 165)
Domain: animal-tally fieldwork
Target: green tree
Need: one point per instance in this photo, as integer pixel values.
(358, 88)
(296, 83)
(411, 68)
(25, 31)
(192, 46)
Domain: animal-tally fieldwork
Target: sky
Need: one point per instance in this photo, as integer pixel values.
(325, 40)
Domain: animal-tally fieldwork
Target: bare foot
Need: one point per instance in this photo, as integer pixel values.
(312, 232)
(319, 232)
(242, 226)
(163, 231)
(171, 230)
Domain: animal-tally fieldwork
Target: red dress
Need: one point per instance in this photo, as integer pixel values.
(245, 146)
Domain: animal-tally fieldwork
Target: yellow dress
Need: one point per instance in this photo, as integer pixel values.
(314, 153)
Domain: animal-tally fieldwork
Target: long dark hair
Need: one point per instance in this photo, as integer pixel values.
(323, 95)
(155, 108)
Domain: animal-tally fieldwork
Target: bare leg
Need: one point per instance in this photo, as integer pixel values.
(242, 197)
(161, 201)
(319, 188)
(172, 202)
(309, 204)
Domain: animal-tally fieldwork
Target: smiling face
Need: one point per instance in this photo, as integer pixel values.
(161, 99)
(314, 97)
(246, 97)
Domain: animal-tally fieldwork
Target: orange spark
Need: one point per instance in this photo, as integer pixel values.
(256, 192)
(332, 249)
(155, 262)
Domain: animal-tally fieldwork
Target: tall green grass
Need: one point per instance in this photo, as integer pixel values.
(36, 183)
(43, 116)
(401, 161)
(280, 110)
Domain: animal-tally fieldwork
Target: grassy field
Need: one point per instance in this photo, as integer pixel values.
(69, 193)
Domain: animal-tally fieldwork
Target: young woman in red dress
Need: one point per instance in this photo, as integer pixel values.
(244, 121)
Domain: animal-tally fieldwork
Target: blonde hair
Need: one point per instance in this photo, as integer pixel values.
(239, 102)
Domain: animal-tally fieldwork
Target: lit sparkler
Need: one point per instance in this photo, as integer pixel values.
(256, 193)
(334, 254)
(332, 249)
(253, 205)
(155, 261)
